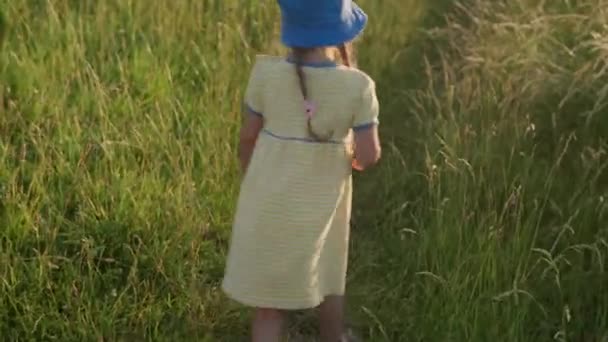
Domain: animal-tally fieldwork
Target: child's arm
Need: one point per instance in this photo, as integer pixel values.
(367, 148)
(250, 131)
(365, 126)
(253, 118)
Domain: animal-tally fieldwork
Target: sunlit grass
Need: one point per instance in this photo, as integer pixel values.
(487, 220)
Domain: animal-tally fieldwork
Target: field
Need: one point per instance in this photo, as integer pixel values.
(487, 219)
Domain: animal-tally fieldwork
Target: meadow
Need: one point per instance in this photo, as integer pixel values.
(487, 219)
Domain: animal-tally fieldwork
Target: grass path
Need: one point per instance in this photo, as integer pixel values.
(487, 219)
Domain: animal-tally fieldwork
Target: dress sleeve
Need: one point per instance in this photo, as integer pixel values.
(254, 92)
(368, 110)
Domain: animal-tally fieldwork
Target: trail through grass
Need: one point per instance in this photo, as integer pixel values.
(487, 220)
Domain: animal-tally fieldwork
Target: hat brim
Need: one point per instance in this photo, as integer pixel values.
(309, 37)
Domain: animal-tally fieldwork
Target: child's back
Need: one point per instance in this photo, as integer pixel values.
(294, 208)
(344, 97)
(289, 246)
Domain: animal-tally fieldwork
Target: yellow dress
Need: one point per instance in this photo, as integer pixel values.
(289, 245)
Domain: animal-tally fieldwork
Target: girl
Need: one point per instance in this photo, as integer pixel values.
(289, 246)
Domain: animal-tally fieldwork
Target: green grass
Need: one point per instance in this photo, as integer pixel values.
(487, 219)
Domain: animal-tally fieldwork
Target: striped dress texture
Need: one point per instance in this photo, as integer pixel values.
(290, 237)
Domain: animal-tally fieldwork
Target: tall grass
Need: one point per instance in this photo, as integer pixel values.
(117, 174)
(486, 220)
(492, 223)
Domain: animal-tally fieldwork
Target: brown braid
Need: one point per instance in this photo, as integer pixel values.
(345, 55)
(298, 54)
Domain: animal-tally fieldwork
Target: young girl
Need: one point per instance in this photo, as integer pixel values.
(309, 122)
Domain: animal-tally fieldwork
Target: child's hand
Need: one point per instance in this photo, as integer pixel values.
(356, 165)
(351, 152)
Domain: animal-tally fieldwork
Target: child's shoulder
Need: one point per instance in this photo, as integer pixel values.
(359, 76)
(356, 79)
(266, 63)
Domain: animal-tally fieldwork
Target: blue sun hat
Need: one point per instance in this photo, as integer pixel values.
(315, 23)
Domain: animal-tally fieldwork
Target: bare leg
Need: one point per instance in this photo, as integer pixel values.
(331, 319)
(267, 325)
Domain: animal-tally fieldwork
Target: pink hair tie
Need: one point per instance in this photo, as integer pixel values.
(310, 109)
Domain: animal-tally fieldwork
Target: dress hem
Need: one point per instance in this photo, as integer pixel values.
(291, 304)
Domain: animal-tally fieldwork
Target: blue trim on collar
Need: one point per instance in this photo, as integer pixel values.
(324, 64)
